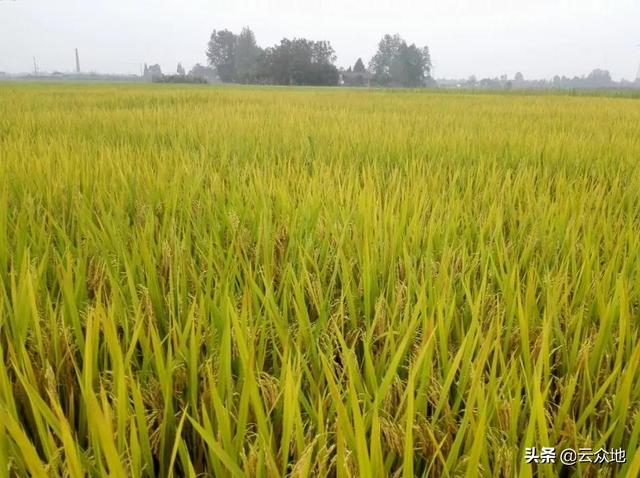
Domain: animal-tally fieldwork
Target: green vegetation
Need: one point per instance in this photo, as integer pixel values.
(202, 281)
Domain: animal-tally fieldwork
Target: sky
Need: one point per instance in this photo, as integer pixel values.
(484, 38)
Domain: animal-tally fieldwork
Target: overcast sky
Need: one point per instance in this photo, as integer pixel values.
(486, 38)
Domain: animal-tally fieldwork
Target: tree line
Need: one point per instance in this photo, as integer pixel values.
(238, 58)
(597, 79)
(197, 74)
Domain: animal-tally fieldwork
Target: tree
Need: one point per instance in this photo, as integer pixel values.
(152, 72)
(238, 58)
(322, 52)
(356, 76)
(359, 66)
(247, 56)
(277, 64)
(382, 62)
(180, 79)
(221, 53)
(180, 70)
(410, 67)
(301, 62)
(205, 72)
(399, 64)
(519, 78)
(599, 79)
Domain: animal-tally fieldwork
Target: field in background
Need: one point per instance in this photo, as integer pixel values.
(228, 281)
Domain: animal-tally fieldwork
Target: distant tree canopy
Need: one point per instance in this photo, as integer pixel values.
(300, 61)
(152, 72)
(239, 59)
(179, 79)
(198, 74)
(200, 71)
(398, 64)
(222, 54)
(248, 57)
(359, 66)
(356, 76)
(599, 78)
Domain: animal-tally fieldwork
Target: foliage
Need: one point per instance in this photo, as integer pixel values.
(597, 79)
(248, 57)
(152, 72)
(301, 62)
(315, 282)
(600, 78)
(359, 66)
(180, 79)
(205, 72)
(221, 53)
(398, 64)
(293, 62)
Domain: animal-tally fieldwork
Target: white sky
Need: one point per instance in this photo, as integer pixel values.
(482, 37)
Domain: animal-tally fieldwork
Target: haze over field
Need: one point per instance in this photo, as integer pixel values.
(483, 38)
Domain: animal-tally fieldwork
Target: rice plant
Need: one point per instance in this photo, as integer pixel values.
(201, 281)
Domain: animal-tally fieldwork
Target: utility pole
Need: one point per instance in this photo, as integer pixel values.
(35, 66)
(77, 62)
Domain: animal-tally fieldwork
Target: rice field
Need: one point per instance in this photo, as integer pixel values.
(262, 282)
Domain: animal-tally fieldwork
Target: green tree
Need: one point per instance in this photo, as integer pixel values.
(200, 71)
(359, 66)
(599, 79)
(247, 57)
(382, 62)
(301, 62)
(398, 64)
(152, 72)
(221, 53)
(180, 70)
